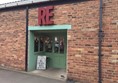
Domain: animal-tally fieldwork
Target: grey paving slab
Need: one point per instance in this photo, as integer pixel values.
(16, 77)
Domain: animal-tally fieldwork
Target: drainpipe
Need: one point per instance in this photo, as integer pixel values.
(100, 43)
(26, 48)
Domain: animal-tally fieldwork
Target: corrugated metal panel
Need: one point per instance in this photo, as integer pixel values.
(10, 4)
(22, 2)
(2, 6)
(35, 1)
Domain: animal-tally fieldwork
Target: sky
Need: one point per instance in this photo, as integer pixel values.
(7, 1)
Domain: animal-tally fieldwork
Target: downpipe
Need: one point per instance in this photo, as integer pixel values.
(26, 48)
(100, 43)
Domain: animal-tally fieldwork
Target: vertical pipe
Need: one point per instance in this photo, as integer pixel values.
(26, 48)
(100, 43)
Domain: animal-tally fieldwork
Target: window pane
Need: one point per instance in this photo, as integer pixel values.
(61, 44)
(56, 46)
(36, 42)
(42, 43)
(48, 44)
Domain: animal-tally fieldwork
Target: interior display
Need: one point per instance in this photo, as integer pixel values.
(52, 44)
(48, 44)
(56, 46)
(42, 43)
(36, 43)
(61, 45)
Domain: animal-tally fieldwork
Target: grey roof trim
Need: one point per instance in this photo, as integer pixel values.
(19, 3)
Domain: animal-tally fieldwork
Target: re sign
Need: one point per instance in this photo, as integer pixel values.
(44, 15)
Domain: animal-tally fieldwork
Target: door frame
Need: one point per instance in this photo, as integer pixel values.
(32, 59)
(57, 58)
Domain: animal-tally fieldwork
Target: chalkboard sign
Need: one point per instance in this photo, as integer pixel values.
(41, 62)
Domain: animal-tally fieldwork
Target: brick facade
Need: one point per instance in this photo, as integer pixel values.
(82, 39)
(110, 42)
(12, 39)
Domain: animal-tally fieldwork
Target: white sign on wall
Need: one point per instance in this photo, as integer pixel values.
(41, 62)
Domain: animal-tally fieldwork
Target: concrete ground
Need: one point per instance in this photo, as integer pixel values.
(7, 76)
(53, 73)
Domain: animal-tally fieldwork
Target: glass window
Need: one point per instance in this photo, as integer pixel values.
(48, 44)
(61, 45)
(56, 44)
(42, 43)
(36, 42)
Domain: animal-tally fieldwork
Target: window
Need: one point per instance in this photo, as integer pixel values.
(51, 44)
(61, 45)
(36, 43)
(42, 43)
(48, 44)
(56, 44)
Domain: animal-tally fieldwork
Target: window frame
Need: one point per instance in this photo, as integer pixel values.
(53, 43)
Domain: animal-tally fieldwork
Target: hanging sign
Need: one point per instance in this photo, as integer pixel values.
(44, 15)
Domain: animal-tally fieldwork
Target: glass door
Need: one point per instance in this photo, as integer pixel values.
(53, 46)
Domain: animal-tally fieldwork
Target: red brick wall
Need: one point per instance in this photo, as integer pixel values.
(110, 41)
(82, 39)
(82, 52)
(12, 39)
(33, 17)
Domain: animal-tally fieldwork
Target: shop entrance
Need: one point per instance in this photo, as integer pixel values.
(49, 41)
(52, 44)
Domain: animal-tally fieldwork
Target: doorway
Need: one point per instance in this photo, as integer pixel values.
(52, 44)
(49, 41)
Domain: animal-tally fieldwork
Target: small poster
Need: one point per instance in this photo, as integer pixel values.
(41, 62)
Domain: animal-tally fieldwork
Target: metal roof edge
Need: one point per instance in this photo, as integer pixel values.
(20, 3)
(41, 4)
